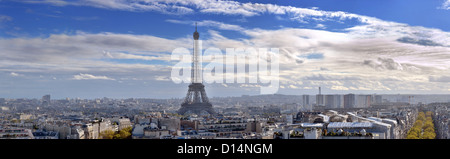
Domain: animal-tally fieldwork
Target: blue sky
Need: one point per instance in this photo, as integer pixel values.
(121, 48)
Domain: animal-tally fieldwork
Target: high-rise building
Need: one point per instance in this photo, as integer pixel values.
(378, 99)
(329, 101)
(333, 101)
(2, 100)
(45, 100)
(320, 98)
(363, 101)
(306, 103)
(349, 101)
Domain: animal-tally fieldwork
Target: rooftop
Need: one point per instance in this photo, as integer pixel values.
(335, 125)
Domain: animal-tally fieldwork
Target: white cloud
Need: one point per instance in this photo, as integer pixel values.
(162, 78)
(293, 86)
(320, 26)
(409, 56)
(209, 23)
(135, 6)
(5, 18)
(118, 55)
(51, 2)
(346, 52)
(82, 76)
(70, 49)
(445, 5)
(215, 7)
(339, 88)
(13, 74)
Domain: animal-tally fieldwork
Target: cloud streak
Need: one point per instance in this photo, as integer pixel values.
(181, 7)
(370, 55)
(82, 76)
(209, 23)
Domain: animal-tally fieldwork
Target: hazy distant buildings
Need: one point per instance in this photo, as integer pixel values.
(378, 99)
(363, 101)
(349, 101)
(2, 100)
(333, 101)
(45, 100)
(305, 98)
(329, 101)
(305, 101)
(320, 98)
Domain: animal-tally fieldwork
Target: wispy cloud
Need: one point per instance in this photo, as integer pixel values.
(82, 76)
(320, 26)
(51, 2)
(86, 18)
(13, 74)
(209, 23)
(135, 6)
(118, 55)
(444, 79)
(5, 18)
(215, 7)
(396, 56)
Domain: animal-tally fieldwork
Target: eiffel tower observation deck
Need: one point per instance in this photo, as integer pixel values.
(196, 100)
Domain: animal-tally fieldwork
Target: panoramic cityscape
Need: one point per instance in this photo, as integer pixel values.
(321, 116)
(168, 69)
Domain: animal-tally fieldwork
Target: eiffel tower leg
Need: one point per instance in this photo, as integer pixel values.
(196, 100)
(211, 111)
(182, 111)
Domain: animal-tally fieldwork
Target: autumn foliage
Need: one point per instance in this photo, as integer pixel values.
(423, 128)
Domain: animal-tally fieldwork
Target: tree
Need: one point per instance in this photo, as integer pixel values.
(418, 123)
(411, 136)
(428, 124)
(421, 116)
(107, 134)
(423, 127)
(429, 114)
(124, 134)
(428, 135)
(116, 136)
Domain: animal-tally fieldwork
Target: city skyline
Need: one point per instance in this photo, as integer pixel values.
(121, 49)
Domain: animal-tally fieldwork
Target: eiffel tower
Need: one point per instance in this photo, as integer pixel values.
(196, 100)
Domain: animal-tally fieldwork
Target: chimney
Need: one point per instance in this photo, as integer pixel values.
(320, 91)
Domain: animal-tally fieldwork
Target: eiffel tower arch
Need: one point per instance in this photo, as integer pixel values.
(196, 100)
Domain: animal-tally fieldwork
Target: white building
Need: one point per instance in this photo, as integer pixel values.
(16, 133)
